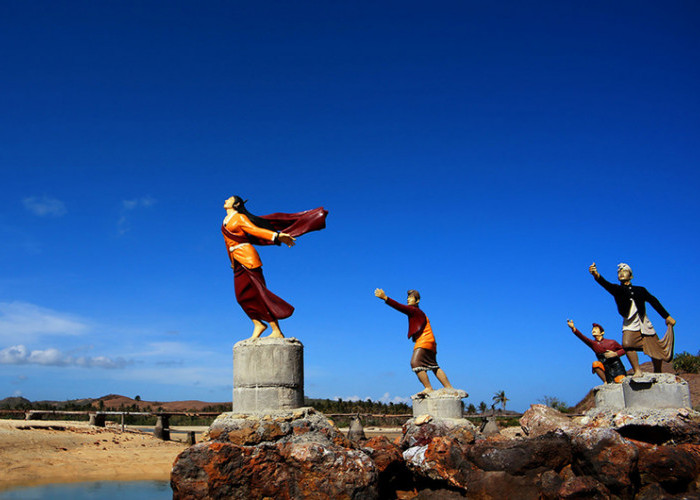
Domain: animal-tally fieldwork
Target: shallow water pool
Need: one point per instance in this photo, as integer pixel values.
(108, 490)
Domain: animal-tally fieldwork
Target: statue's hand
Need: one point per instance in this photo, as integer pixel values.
(287, 239)
(670, 321)
(594, 270)
(571, 324)
(378, 292)
(610, 354)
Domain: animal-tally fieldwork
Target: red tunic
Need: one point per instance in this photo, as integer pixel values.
(599, 347)
(418, 325)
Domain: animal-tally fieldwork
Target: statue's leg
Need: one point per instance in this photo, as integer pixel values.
(657, 364)
(276, 332)
(634, 361)
(258, 329)
(599, 370)
(423, 377)
(628, 342)
(442, 377)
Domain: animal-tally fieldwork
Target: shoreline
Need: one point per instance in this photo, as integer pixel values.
(41, 452)
(34, 453)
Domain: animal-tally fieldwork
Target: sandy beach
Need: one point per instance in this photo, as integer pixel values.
(41, 452)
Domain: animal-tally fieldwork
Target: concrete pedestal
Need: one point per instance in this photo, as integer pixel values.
(656, 390)
(439, 404)
(268, 375)
(652, 391)
(609, 397)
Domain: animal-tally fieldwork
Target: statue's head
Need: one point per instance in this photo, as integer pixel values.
(624, 272)
(234, 202)
(413, 298)
(597, 331)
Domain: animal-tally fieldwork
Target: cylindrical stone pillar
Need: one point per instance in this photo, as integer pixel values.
(268, 375)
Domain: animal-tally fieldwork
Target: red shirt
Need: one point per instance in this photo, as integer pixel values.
(599, 347)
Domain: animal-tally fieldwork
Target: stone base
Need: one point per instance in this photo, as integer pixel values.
(442, 403)
(652, 391)
(609, 396)
(268, 375)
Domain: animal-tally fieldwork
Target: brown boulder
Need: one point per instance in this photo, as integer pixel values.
(490, 468)
(420, 434)
(520, 456)
(215, 470)
(541, 419)
(673, 467)
(606, 456)
(583, 487)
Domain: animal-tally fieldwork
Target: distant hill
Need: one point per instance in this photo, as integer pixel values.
(14, 402)
(112, 402)
(693, 380)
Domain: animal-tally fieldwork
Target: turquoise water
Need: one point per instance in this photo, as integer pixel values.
(108, 490)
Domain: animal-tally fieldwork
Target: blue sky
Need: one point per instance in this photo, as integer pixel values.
(484, 153)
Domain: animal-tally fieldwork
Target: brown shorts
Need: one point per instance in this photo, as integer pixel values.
(652, 346)
(423, 360)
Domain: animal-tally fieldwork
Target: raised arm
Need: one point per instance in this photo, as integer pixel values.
(379, 293)
(580, 335)
(265, 234)
(601, 281)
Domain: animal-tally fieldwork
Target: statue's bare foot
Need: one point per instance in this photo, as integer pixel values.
(424, 393)
(276, 335)
(638, 374)
(257, 331)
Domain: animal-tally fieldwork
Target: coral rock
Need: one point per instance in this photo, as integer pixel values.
(540, 419)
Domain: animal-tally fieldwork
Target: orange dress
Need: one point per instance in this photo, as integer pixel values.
(252, 293)
(240, 234)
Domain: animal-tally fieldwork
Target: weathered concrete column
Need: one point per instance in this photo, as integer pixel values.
(268, 375)
(190, 438)
(97, 419)
(162, 428)
(443, 403)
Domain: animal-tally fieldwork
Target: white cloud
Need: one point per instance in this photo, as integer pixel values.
(129, 206)
(20, 355)
(44, 206)
(387, 398)
(143, 202)
(21, 320)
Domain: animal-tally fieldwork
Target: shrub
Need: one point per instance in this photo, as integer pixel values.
(556, 403)
(684, 362)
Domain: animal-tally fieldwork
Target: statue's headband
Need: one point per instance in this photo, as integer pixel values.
(624, 267)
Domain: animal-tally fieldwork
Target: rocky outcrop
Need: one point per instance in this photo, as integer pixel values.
(285, 455)
(301, 454)
(560, 458)
(421, 430)
(652, 426)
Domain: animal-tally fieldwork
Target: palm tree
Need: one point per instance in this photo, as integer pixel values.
(500, 397)
(482, 407)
